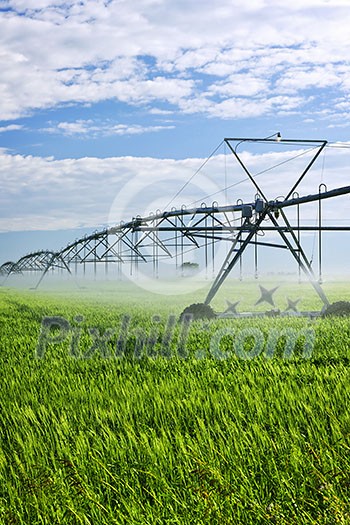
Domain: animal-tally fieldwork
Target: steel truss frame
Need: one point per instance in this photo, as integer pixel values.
(173, 233)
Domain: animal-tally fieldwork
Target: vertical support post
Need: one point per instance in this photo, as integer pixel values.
(84, 264)
(182, 246)
(176, 242)
(95, 260)
(75, 260)
(157, 252)
(206, 246)
(239, 201)
(119, 251)
(320, 189)
(256, 257)
(136, 256)
(296, 196)
(153, 250)
(131, 253)
(107, 249)
(213, 246)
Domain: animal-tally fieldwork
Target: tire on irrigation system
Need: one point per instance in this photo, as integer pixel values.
(339, 308)
(198, 311)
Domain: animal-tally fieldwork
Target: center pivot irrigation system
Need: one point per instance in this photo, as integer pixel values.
(173, 233)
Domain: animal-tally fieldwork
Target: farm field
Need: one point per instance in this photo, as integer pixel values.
(118, 414)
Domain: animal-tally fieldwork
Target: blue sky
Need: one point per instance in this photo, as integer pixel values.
(97, 94)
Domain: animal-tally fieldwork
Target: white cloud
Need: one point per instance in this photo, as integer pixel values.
(72, 128)
(94, 129)
(205, 55)
(10, 127)
(241, 84)
(44, 193)
(314, 77)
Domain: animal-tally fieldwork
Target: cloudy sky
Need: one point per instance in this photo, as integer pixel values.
(100, 100)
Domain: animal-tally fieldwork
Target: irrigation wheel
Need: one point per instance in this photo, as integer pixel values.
(339, 308)
(198, 311)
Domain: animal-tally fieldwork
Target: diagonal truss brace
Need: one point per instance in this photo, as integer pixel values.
(293, 245)
(229, 264)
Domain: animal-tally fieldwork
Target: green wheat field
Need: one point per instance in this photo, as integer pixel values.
(107, 434)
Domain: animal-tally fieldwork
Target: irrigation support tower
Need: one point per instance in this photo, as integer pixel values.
(173, 233)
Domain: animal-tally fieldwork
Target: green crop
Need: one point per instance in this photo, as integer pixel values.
(158, 440)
